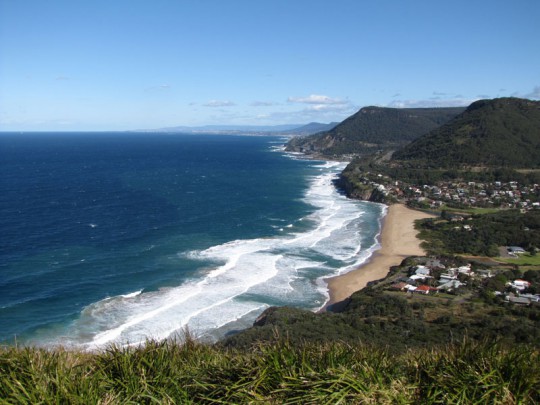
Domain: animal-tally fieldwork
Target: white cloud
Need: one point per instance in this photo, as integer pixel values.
(219, 103)
(318, 112)
(320, 108)
(262, 104)
(328, 107)
(317, 99)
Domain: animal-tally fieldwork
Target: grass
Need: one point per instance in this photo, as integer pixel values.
(471, 211)
(272, 373)
(524, 259)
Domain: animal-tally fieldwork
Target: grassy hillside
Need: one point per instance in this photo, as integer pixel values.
(277, 373)
(502, 132)
(373, 128)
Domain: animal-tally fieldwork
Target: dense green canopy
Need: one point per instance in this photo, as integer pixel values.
(502, 132)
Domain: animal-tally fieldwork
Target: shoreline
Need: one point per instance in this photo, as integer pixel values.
(397, 239)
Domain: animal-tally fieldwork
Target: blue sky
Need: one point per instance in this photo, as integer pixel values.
(116, 65)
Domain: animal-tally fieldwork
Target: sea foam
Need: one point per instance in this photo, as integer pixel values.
(246, 277)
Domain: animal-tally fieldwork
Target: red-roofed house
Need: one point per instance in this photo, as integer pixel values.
(424, 289)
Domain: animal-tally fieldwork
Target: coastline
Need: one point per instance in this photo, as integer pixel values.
(398, 240)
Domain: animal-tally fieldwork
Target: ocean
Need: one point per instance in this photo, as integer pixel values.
(121, 237)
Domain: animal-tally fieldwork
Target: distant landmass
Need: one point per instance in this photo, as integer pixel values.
(503, 132)
(287, 129)
(313, 128)
(374, 128)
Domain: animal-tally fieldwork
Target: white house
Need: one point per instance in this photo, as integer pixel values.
(519, 284)
(515, 249)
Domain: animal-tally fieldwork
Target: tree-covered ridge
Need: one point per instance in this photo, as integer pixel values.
(373, 128)
(502, 132)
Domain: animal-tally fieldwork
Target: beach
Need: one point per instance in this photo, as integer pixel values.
(398, 240)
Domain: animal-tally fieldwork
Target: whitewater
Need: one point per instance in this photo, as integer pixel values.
(249, 275)
(234, 281)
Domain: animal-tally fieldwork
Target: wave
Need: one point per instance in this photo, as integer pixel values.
(131, 295)
(239, 279)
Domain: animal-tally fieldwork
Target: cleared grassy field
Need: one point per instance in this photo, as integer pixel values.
(523, 260)
(472, 210)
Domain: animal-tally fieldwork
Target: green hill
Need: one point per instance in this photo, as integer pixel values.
(374, 128)
(503, 132)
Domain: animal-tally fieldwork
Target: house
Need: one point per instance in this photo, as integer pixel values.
(421, 271)
(518, 300)
(399, 286)
(464, 269)
(519, 284)
(515, 250)
(450, 285)
(484, 273)
(445, 277)
(423, 289)
(531, 297)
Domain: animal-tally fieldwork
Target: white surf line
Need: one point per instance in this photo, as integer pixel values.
(225, 300)
(110, 335)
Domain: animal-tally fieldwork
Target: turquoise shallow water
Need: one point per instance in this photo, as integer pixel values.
(111, 237)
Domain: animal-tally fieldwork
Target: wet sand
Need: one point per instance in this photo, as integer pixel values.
(398, 240)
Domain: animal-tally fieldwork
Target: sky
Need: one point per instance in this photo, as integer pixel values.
(99, 65)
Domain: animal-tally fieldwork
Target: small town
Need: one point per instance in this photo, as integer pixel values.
(457, 194)
(433, 278)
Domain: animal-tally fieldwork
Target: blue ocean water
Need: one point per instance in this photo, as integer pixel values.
(118, 237)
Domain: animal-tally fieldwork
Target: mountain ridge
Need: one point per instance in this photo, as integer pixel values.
(374, 128)
(501, 132)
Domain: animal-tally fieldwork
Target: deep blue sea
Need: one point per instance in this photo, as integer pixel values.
(119, 237)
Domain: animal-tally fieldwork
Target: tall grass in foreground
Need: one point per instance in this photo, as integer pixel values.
(277, 373)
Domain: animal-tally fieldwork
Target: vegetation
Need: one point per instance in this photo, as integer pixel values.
(280, 373)
(399, 323)
(412, 173)
(502, 132)
(380, 345)
(491, 141)
(374, 128)
(524, 260)
(482, 235)
(464, 347)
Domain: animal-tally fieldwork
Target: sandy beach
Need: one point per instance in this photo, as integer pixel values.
(398, 240)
